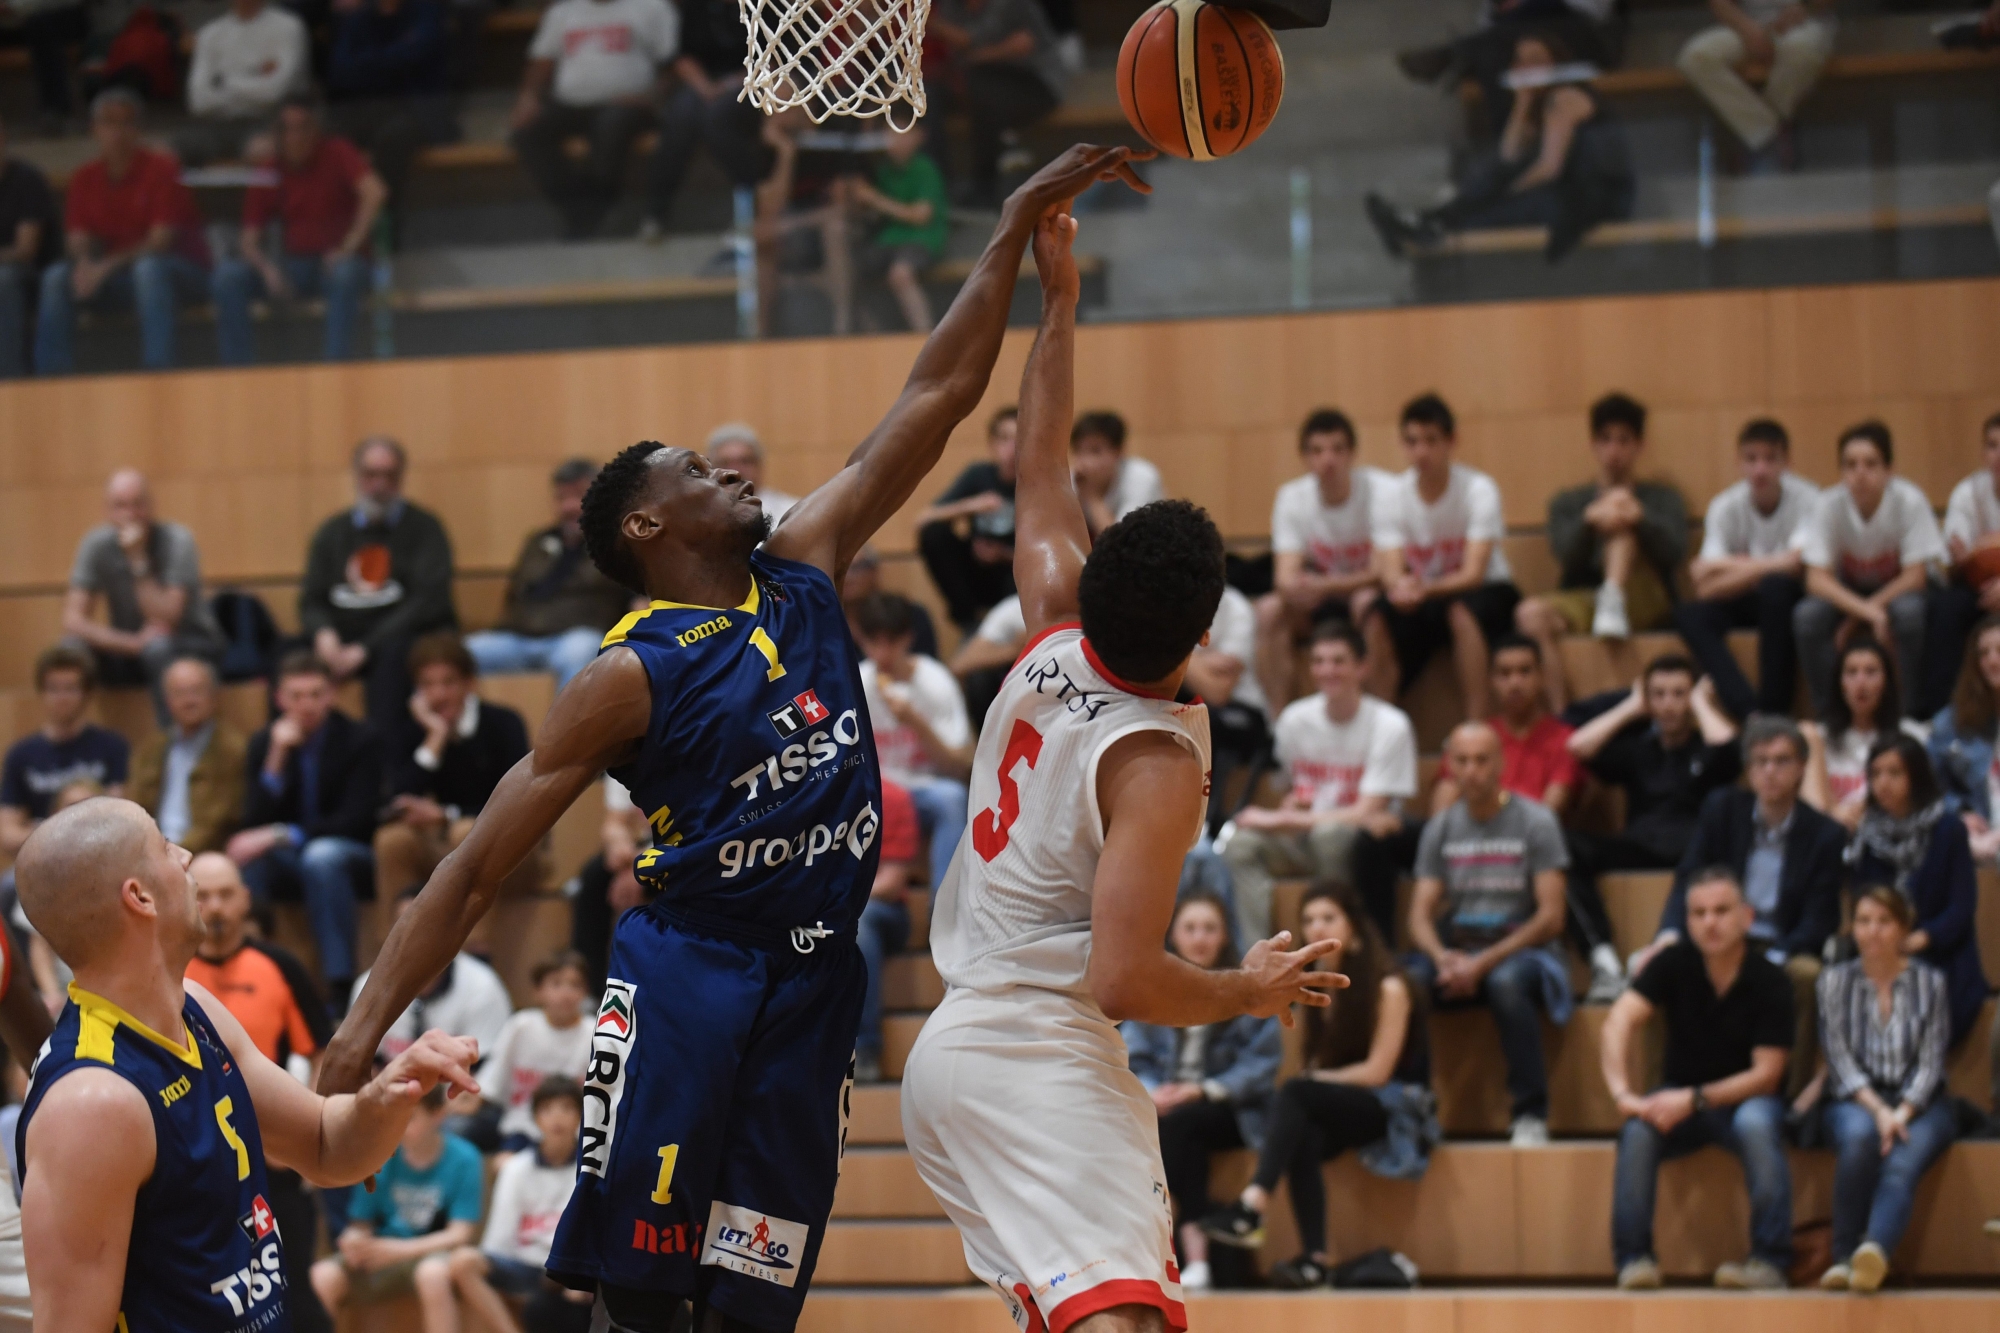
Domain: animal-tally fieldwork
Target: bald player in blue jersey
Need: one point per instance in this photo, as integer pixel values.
(715, 1103)
(148, 1119)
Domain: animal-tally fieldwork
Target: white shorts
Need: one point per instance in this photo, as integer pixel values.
(1026, 1122)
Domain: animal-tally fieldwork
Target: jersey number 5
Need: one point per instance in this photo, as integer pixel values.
(223, 1110)
(992, 830)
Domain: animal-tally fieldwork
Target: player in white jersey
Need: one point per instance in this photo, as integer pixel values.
(1088, 788)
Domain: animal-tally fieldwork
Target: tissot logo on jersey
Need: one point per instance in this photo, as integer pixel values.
(805, 710)
(611, 1047)
(791, 765)
(754, 1243)
(248, 1287)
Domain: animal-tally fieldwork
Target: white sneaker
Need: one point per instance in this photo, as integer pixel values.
(1836, 1278)
(1196, 1277)
(1870, 1265)
(1530, 1131)
(1607, 976)
(1611, 620)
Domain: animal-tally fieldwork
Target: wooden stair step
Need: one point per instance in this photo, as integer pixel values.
(882, 1183)
(874, 1254)
(875, 1114)
(911, 981)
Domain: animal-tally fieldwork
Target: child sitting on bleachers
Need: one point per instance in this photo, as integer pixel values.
(548, 1039)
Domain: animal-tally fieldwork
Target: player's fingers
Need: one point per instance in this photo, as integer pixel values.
(1285, 1017)
(1326, 980)
(1314, 999)
(1280, 940)
(1312, 953)
(1124, 172)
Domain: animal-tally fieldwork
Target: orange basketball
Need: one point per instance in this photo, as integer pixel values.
(1200, 80)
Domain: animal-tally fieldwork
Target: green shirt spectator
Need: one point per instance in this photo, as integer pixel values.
(915, 179)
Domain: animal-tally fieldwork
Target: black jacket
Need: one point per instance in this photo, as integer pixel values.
(350, 783)
(1808, 910)
(469, 769)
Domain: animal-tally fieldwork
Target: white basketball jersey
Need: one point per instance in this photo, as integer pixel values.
(1014, 909)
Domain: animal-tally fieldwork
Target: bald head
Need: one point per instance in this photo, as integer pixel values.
(1472, 752)
(223, 901)
(92, 875)
(127, 498)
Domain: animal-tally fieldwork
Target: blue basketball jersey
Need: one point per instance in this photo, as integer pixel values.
(205, 1256)
(758, 771)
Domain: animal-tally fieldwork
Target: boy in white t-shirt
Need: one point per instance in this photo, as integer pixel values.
(1868, 549)
(1750, 575)
(1239, 716)
(550, 1038)
(1110, 482)
(922, 734)
(1445, 583)
(1322, 547)
(1352, 762)
(1971, 523)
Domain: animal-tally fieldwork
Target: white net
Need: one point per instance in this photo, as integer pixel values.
(836, 57)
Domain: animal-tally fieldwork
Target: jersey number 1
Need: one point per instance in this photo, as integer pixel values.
(991, 830)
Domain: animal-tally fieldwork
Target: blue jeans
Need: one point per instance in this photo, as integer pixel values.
(236, 284)
(883, 931)
(155, 285)
(323, 872)
(1513, 991)
(1753, 1130)
(1872, 1194)
(498, 651)
(941, 812)
(14, 280)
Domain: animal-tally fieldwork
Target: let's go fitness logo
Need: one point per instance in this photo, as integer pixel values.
(756, 1244)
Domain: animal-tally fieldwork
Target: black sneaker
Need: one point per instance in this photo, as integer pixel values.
(1301, 1274)
(1399, 230)
(1234, 1225)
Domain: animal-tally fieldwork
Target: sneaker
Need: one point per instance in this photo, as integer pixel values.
(1836, 1278)
(1300, 1274)
(1234, 1225)
(1869, 1266)
(1751, 1275)
(1607, 976)
(1611, 620)
(1196, 1277)
(1398, 230)
(1529, 1131)
(1639, 1275)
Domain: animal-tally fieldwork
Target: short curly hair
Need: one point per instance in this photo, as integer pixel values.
(1150, 588)
(610, 497)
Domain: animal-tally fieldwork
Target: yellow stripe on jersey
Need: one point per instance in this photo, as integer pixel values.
(623, 629)
(98, 1021)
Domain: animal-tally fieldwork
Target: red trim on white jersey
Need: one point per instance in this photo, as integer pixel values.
(1097, 665)
(1036, 642)
(1110, 1295)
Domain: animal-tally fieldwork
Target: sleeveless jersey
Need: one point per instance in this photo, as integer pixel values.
(1014, 909)
(205, 1255)
(758, 771)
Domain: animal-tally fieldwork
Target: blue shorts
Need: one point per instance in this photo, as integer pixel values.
(715, 1114)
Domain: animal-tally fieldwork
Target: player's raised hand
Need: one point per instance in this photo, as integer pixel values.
(1076, 171)
(434, 1058)
(1281, 977)
(1055, 264)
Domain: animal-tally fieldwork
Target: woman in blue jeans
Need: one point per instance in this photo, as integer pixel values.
(1962, 739)
(1885, 1022)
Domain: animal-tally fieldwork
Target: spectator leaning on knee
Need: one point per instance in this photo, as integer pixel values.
(974, 571)
(31, 236)
(1110, 482)
(1790, 39)
(1728, 1013)
(922, 733)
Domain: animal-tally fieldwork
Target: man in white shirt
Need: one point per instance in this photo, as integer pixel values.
(1868, 549)
(1239, 725)
(1749, 574)
(1352, 762)
(1791, 39)
(1110, 483)
(1971, 524)
(922, 735)
(1322, 549)
(594, 70)
(245, 63)
(736, 446)
(1445, 583)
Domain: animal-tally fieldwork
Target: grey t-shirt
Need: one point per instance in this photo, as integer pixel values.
(1489, 869)
(101, 568)
(997, 20)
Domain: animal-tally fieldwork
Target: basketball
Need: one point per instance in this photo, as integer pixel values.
(1200, 80)
(1980, 566)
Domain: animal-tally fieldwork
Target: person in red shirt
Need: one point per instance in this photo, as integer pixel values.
(132, 239)
(326, 201)
(885, 922)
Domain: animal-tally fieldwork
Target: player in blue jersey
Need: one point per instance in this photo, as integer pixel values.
(715, 1106)
(143, 1138)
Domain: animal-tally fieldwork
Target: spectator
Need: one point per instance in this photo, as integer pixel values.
(1865, 708)
(389, 79)
(133, 240)
(975, 571)
(271, 994)
(425, 1204)
(922, 734)
(314, 778)
(736, 446)
(1365, 1086)
(1907, 841)
(1868, 547)
(1962, 741)
(1322, 548)
(703, 111)
(1790, 39)
(1350, 761)
(377, 577)
(1618, 541)
(1436, 529)
(66, 748)
(1887, 1020)
(606, 887)
(1239, 716)
(31, 236)
(529, 1195)
(989, 652)
(802, 224)
(1211, 1085)
(908, 194)
(595, 70)
(148, 573)
(1749, 574)
(547, 1041)
(246, 61)
(1485, 916)
(1971, 523)
(1483, 55)
(327, 199)
(864, 580)
(446, 760)
(1110, 483)
(1728, 1016)
(190, 776)
(54, 35)
(1004, 71)
(885, 919)
(468, 999)
(559, 605)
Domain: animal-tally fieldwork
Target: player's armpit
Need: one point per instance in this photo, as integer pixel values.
(90, 1148)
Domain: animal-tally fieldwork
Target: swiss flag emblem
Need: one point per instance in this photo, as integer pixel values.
(811, 708)
(260, 1214)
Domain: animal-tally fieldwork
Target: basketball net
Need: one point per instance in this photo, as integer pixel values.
(836, 57)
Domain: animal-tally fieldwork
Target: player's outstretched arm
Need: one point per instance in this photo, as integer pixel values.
(829, 526)
(594, 724)
(1051, 538)
(1149, 788)
(90, 1148)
